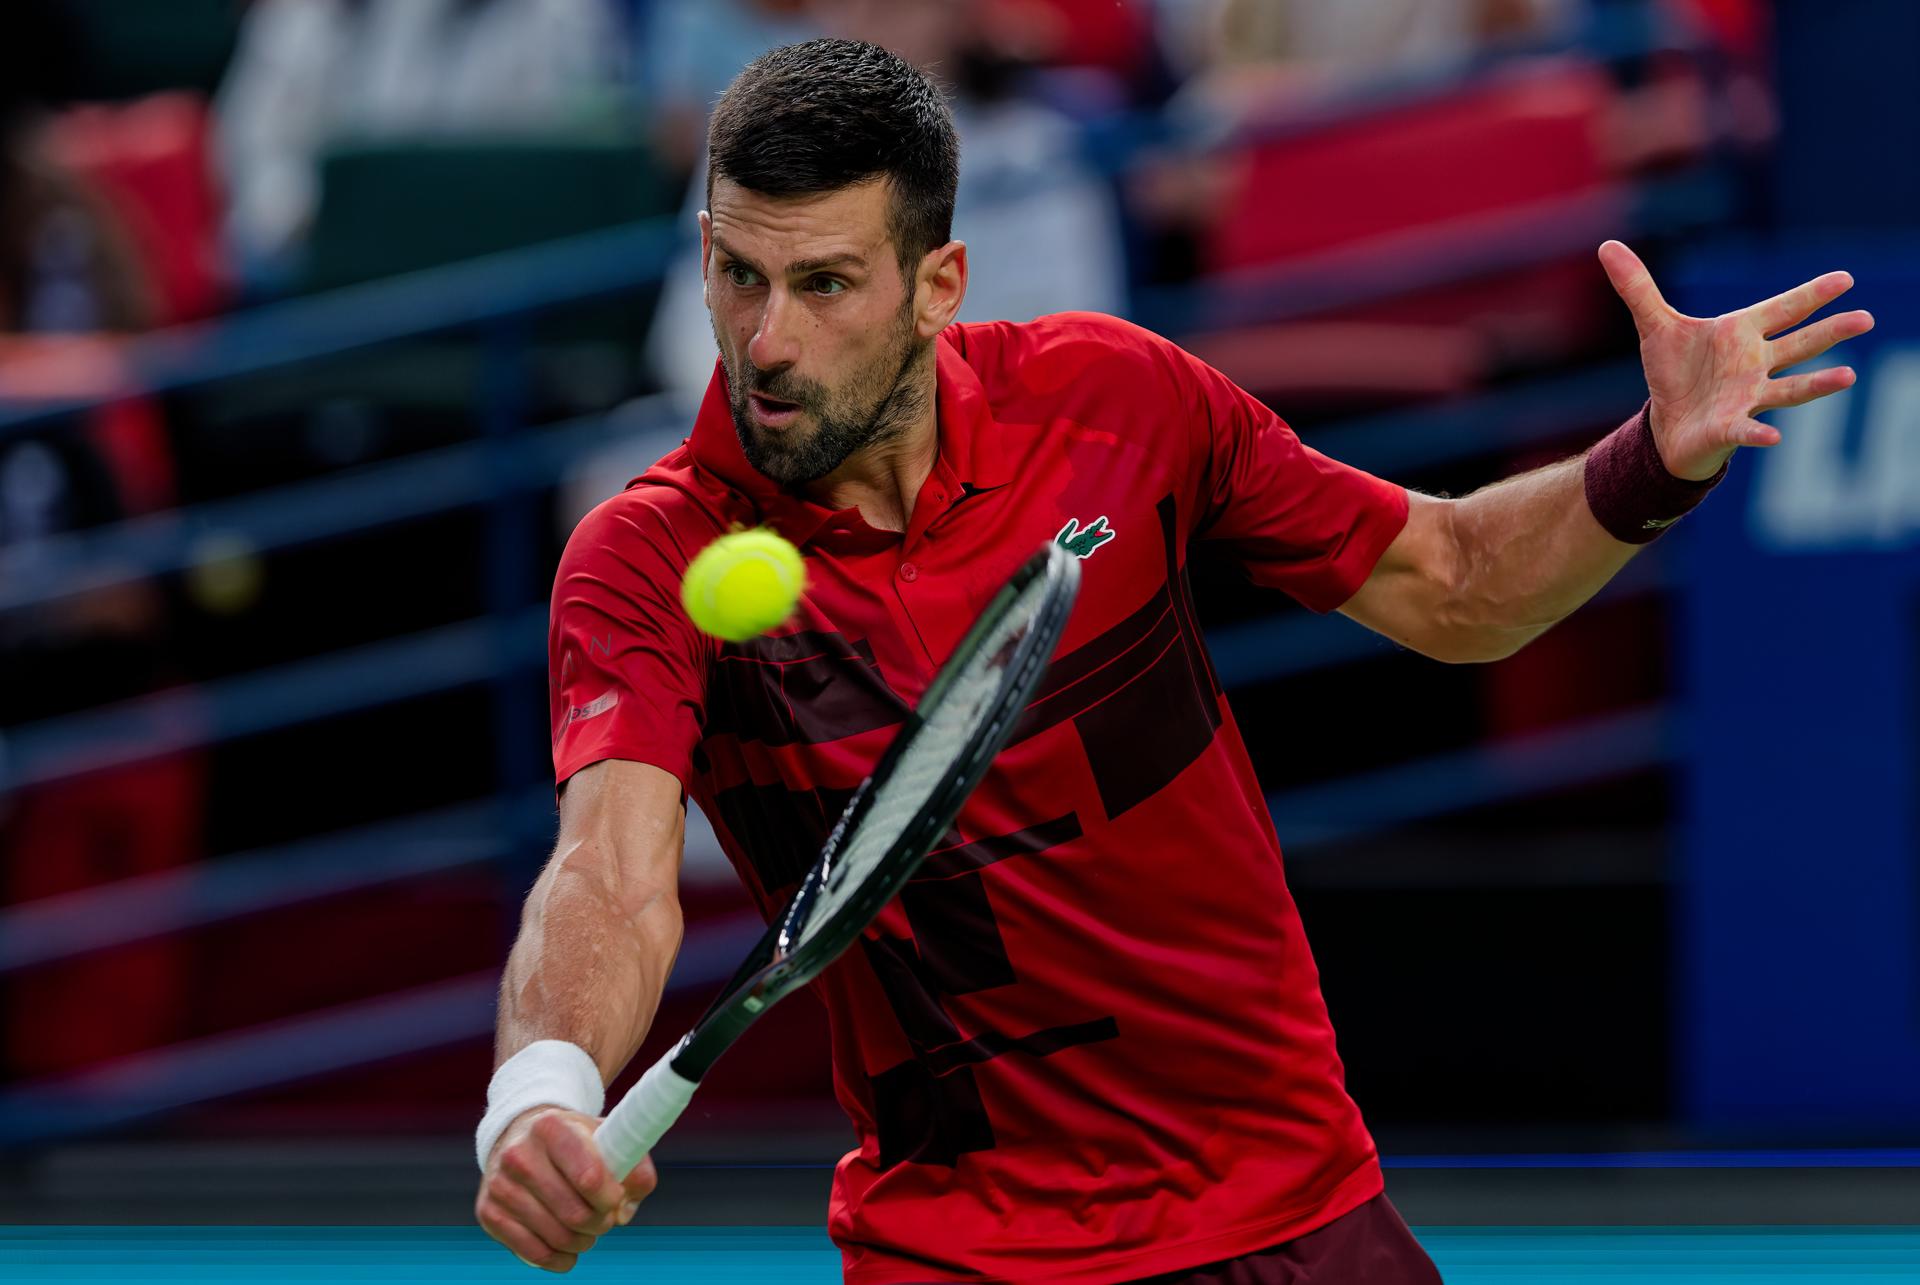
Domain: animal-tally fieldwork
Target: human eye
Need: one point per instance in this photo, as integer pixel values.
(741, 275)
(826, 287)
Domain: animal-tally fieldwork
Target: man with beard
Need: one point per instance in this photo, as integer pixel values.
(1087, 1043)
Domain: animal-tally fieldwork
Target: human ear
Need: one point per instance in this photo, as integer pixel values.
(706, 255)
(940, 288)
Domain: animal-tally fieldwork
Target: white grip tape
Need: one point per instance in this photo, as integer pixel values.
(639, 1119)
(545, 1073)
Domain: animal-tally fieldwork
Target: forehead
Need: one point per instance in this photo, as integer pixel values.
(777, 230)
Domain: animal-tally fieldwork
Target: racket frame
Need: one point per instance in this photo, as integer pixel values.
(775, 968)
(783, 960)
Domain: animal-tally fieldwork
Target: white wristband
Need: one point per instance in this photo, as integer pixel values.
(545, 1073)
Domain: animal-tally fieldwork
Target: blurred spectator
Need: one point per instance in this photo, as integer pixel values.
(152, 160)
(1107, 46)
(1270, 45)
(311, 71)
(63, 264)
(1041, 227)
(67, 272)
(690, 50)
(1741, 27)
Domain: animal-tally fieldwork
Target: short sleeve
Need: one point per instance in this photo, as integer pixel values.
(1294, 519)
(626, 668)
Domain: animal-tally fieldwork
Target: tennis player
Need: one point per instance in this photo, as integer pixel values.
(1087, 1043)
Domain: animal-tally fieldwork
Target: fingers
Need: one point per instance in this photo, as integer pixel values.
(1798, 390)
(523, 1208)
(1634, 284)
(1796, 305)
(1806, 344)
(1751, 432)
(570, 1144)
(532, 1169)
(548, 1196)
(498, 1222)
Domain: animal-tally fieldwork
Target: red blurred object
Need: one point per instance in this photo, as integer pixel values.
(129, 435)
(151, 159)
(74, 835)
(1531, 134)
(1521, 155)
(1111, 35)
(1744, 27)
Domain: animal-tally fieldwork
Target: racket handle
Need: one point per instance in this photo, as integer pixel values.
(639, 1119)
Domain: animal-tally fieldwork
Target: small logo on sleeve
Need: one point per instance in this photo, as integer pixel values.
(592, 709)
(1082, 543)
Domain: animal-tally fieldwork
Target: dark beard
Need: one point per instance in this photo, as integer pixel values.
(875, 406)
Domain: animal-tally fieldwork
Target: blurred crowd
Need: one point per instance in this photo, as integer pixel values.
(1196, 164)
(172, 201)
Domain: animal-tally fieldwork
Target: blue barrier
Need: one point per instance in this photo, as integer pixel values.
(302, 513)
(473, 651)
(172, 901)
(1433, 256)
(493, 288)
(1520, 767)
(427, 1017)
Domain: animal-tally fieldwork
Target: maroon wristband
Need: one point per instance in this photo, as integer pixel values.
(1629, 489)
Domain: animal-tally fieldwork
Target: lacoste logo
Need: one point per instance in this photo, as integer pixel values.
(1082, 543)
(592, 709)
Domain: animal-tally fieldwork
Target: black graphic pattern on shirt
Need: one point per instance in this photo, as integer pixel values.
(928, 1107)
(1142, 696)
(802, 688)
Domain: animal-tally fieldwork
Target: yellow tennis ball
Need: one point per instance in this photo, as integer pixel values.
(743, 584)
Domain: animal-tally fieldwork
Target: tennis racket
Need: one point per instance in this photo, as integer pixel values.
(893, 819)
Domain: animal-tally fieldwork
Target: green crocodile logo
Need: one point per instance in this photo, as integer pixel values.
(1082, 543)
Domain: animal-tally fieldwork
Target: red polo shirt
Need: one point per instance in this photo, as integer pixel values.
(1087, 1043)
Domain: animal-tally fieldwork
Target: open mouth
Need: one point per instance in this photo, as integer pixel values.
(773, 411)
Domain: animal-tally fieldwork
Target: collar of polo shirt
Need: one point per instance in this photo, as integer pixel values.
(969, 452)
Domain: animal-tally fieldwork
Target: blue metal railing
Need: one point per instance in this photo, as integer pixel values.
(437, 1015)
(485, 291)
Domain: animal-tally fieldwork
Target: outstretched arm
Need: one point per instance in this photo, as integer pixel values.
(1478, 578)
(601, 927)
(597, 939)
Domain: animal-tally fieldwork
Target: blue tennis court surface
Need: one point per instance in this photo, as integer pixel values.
(802, 1256)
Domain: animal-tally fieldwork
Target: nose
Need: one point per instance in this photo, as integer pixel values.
(774, 344)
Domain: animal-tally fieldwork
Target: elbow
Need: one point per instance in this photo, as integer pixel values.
(1479, 634)
(1475, 649)
(1473, 630)
(1442, 599)
(1475, 622)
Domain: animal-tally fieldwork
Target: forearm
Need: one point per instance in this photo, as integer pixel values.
(1530, 552)
(591, 960)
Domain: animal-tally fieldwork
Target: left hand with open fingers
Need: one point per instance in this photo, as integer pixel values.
(1708, 376)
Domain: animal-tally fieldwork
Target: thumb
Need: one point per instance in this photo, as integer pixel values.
(640, 1183)
(1634, 284)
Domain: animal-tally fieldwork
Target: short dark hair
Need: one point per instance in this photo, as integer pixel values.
(826, 114)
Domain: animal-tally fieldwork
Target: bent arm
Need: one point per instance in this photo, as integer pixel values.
(602, 925)
(1478, 578)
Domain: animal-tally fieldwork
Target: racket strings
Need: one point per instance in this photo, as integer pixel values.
(948, 720)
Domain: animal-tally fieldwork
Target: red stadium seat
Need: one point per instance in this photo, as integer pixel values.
(150, 160)
(1519, 155)
(1530, 133)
